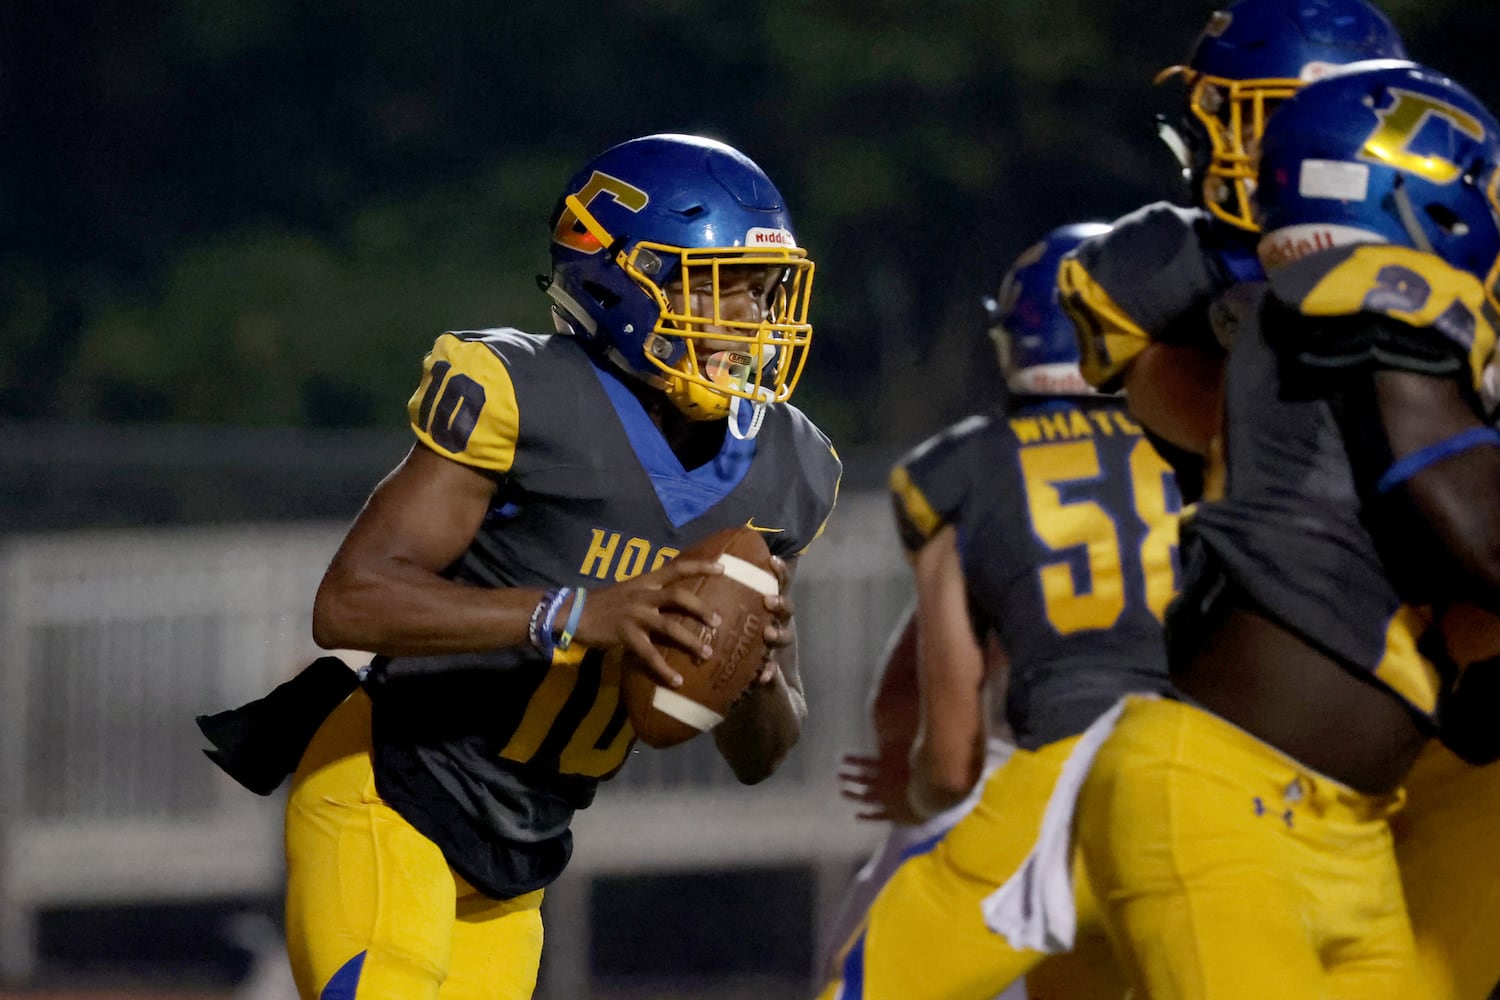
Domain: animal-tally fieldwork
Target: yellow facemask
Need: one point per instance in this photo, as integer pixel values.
(723, 358)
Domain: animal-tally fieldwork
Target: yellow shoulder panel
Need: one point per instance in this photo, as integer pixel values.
(1416, 288)
(465, 406)
(1108, 339)
(913, 503)
(838, 482)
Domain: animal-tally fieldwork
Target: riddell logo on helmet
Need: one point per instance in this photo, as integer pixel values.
(758, 237)
(1285, 246)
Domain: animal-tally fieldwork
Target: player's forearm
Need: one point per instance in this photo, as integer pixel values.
(1445, 462)
(761, 730)
(943, 772)
(406, 610)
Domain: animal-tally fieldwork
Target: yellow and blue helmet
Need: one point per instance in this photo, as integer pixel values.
(673, 211)
(1033, 337)
(1385, 151)
(1250, 57)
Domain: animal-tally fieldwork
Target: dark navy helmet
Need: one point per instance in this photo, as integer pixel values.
(1383, 152)
(1250, 57)
(1034, 338)
(644, 238)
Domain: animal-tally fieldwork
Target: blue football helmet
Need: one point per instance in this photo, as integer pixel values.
(1034, 338)
(1385, 151)
(641, 238)
(1251, 56)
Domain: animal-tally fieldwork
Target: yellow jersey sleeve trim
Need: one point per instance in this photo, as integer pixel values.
(1401, 667)
(1345, 290)
(914, 504)
(837, 483)
(459, 376)
(1108, 339)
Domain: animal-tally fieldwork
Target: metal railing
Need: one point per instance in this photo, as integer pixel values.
(113, 641)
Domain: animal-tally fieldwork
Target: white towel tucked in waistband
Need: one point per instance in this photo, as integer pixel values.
(1034, 908)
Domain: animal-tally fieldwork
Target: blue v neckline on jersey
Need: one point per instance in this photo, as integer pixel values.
(684, 494)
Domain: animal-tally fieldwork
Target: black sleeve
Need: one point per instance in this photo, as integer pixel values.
(1360, 342)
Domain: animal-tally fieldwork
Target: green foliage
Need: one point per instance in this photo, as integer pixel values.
(264, 213)
(265, 326)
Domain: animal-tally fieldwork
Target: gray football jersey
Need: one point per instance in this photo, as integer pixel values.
(489, 754)
(1067, 532)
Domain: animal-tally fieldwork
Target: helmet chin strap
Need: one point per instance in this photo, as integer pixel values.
(1409, 221)
(1172, 138)
(567, 310)
(757, 409)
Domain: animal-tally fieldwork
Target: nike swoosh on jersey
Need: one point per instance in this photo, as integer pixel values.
(769, 531)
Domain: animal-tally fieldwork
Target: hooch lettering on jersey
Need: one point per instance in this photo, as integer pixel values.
(613, 556)
(1071, 425)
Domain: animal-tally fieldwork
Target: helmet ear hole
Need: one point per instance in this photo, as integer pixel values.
(1447, 220)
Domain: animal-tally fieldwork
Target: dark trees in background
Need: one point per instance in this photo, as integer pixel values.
(261, 214)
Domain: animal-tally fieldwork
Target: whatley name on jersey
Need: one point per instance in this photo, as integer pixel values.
(1071, 425)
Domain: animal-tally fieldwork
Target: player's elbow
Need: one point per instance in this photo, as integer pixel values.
(340, 618)
(753, 772)
(330, 628)
(755, 750)
(943, 791)
(939, 782)
(754, 761)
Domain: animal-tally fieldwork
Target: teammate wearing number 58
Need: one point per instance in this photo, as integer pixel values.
(525, 544)
(1045, 529)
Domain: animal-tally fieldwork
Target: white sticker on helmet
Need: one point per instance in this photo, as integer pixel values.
(758, 236)
(1335, 179)
(1316, 70)
(1060, 379)
(1292, 243)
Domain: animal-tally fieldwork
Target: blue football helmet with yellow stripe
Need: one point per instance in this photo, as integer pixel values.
(1034, 338)
(644, 238)
(1250, 57)
(1383, 152)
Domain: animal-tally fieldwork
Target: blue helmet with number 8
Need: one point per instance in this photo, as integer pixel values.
(649, 218)
(1383, 152)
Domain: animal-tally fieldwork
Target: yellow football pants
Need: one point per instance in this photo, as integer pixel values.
(373, 910)
(1226, 871)
(925, 937)
(1450, 867)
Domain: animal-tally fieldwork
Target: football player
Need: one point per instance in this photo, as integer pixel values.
(525, 542)
(1238, 835)
(1046, 528)
(1159, 274)
(1156, 299)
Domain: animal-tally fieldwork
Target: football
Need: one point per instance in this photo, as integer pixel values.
(1176, 391)
(664, 717)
